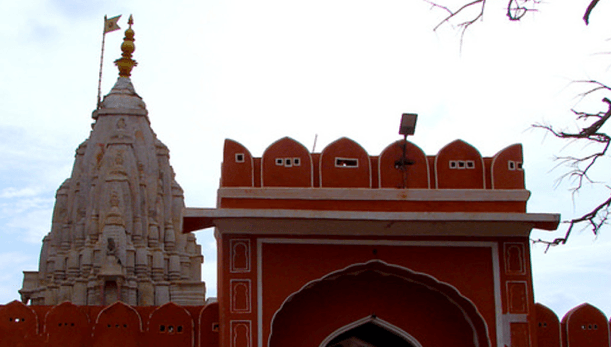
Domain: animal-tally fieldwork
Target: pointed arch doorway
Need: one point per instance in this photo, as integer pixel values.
(370, 332)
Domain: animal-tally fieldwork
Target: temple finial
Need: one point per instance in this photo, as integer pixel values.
(126, 63)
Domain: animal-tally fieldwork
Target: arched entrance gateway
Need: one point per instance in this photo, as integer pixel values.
(377, 304)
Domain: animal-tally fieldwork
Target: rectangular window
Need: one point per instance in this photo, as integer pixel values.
(239, 157)
(279, 161)
(296, 161)
(346, 162)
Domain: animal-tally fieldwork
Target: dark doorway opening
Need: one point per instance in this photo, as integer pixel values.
(369, 335)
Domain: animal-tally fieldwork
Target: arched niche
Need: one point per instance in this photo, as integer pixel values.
(506, 168)
(237, 167)
(414, 303)
(345, 164)
(403, 165)
(286, 163)
(585, 325)
(459, 165)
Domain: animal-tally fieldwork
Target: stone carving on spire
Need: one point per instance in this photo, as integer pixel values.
(116, 229)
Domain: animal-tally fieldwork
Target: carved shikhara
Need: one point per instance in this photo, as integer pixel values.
(116, 228)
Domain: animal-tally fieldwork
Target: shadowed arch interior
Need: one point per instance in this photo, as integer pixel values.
(413, 302)
(368, 334)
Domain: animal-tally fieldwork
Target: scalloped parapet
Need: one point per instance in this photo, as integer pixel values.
(119, 324)
(345, 164)
(343, 176)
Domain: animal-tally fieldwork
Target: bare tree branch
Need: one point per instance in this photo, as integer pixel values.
(586, 16)
(452, 14)
(582, 165)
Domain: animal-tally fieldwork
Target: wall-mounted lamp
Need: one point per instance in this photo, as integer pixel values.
(408, 124)
(408, 127)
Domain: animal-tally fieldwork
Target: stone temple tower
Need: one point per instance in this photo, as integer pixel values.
(116, 229)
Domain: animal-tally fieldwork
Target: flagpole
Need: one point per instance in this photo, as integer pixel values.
(101, 63)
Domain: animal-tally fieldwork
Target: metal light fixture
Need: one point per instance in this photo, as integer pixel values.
(408, 127)
(408, 124)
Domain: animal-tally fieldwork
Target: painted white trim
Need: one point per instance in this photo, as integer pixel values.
(377, 321)
(259, 295)
(347, 166)
(498, 299)
(247, 324)
(508, 295)
(232, 244)
(500, 332)
(392, 194)
(522, 250)
(378, 224)
(237, 160)
(248, 285)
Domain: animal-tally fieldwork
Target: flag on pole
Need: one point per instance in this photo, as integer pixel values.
(110, 24)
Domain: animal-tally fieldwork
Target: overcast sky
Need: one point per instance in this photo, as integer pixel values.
(256, 71)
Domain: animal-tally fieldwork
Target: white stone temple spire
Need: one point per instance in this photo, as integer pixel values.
(117, 221)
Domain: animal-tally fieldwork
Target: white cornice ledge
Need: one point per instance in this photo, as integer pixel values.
(375, 194)
(260, 220)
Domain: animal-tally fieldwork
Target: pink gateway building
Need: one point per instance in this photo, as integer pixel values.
(337, 248)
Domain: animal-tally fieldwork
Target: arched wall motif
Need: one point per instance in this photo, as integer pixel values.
(548, 327)
(417, 172)
(585, 325)
(237, 169)
(377, 321)
(345, 164)
(459, 165)
(117, 325)
(368, 289)
(18, 324)
(506, 168)
(209, 326)
(67, 326)
(170, 325)
(286, 163)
